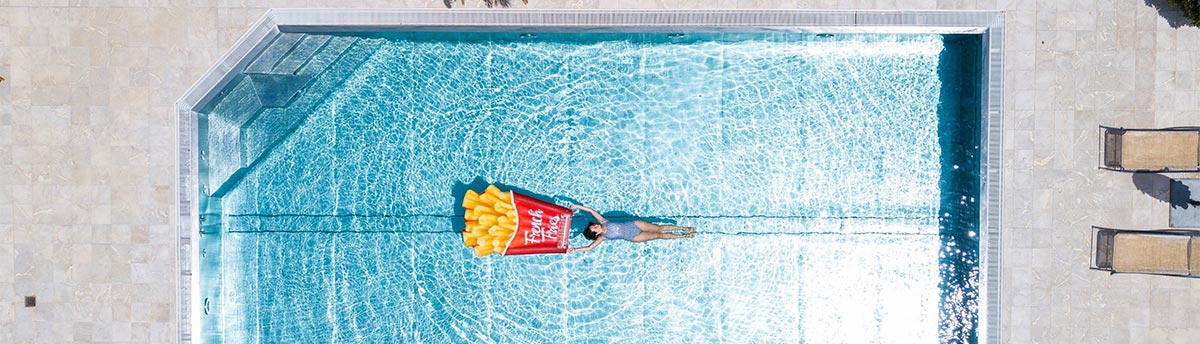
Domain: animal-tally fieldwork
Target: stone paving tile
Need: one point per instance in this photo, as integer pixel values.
(87, 156)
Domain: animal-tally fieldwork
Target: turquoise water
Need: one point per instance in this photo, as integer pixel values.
(814, 167)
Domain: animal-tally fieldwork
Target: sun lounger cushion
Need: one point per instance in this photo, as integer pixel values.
(1150, 253)
(1154, 150)
(1194, 260)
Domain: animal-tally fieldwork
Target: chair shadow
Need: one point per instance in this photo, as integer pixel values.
(1154, 185)
(1181, 196)
(1173, 14)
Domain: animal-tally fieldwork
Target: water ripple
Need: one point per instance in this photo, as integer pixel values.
(810, 166)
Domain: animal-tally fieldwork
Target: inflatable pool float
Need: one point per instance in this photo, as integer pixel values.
(512, 224)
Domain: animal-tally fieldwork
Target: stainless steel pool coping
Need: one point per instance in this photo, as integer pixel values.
(990, 24)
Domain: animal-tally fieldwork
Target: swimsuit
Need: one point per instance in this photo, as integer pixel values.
(621, 230)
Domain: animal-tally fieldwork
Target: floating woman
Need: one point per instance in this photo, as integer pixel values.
(635, 231)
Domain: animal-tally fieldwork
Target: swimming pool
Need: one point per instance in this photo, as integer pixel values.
(835, 180)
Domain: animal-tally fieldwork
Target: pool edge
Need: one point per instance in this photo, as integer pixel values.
(990, 24)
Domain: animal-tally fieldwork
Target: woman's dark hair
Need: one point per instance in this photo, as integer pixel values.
(589, 233)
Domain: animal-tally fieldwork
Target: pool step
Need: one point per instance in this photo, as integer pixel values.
(277, 51)
(329, 53)
(271, 100)
(301, 53)
(276, 90)
(280, 78)
(240, 104)
(275, 125)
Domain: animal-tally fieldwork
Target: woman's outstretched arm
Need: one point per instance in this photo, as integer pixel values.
(588, 247)
(596, 215)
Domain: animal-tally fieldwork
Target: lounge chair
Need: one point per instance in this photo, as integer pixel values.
(1156, 252)
(1150, 150)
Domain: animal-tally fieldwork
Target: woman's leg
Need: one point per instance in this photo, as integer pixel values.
(647, 236)
(653, 228)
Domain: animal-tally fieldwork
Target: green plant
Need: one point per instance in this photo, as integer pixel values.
(1191, 9)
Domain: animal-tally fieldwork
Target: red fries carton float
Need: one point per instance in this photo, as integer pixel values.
(512, 224)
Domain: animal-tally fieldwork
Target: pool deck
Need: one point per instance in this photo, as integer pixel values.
(87, 157)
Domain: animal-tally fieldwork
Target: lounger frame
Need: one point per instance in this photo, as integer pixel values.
(1110, 159)
(1103, 243)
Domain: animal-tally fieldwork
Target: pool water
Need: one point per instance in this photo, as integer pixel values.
(831, 178)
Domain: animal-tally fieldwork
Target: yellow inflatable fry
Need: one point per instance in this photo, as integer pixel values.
(481, 250)
(478, 226)
(502, 207)
(486, 201)
(493, 190)
(504, 220)
(480, 210)
(500, 231)
(492, 200)
(473, 234)
(487, 220)
(470, 203)
(490, 219)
